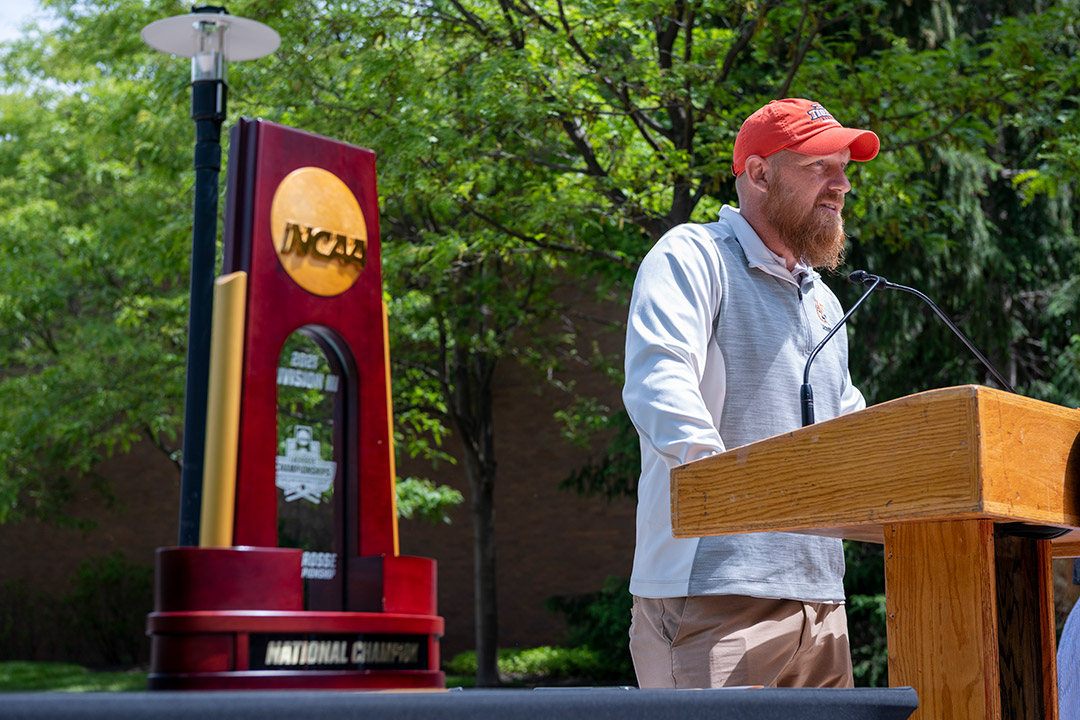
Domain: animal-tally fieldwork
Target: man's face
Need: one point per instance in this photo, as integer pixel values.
(805, 204)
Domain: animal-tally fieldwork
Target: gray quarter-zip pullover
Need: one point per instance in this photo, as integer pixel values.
(717, 338)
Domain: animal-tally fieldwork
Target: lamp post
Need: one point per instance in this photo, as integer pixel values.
(210, 37)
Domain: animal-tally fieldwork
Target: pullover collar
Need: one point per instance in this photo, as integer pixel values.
(758, 255)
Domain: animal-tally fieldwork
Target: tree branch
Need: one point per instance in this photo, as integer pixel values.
(587, 251)
(169, 451)
(515, 33)
(748, 29)
(473, 21)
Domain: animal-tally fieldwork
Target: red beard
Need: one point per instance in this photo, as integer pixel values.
(814, 236)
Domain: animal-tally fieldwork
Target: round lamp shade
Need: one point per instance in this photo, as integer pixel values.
(179, 35)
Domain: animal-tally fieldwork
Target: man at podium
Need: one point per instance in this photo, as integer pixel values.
(722, 320)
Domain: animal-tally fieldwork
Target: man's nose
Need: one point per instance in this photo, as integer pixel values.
(838, 181)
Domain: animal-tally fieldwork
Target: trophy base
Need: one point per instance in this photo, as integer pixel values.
(232, 619)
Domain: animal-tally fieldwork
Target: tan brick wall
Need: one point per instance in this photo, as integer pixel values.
(42, 559)
(549, 541)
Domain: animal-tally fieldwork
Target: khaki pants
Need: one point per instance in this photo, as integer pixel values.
(728, 640)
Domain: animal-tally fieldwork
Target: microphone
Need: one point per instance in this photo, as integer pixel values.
(864, 278)
(806, 393)
(861, 277)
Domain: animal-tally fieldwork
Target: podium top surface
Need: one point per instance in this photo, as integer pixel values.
(948, 454)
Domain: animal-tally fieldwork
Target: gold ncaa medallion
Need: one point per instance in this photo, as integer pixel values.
(318, 231)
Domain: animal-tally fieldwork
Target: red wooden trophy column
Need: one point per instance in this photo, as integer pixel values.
(339, 609)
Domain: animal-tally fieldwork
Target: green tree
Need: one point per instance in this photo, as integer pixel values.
(92, 329)
(971, 217)
(466, 288)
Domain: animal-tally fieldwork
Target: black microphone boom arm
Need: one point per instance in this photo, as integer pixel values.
(806, 393)
(865, 278)
(963, 338)
(872, 282)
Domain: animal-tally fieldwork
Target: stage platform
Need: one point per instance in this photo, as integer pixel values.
(539, 704)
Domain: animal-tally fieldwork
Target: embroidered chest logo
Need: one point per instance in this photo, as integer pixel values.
(821, 315)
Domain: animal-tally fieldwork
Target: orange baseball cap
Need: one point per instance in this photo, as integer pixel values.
(802, 126)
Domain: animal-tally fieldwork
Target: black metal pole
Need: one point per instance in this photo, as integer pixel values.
(208, 111)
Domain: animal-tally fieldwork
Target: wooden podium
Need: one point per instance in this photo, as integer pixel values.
(938, 477)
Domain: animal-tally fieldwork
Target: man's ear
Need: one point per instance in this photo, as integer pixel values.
(758, 173)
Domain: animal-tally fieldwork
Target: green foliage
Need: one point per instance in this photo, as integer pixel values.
(614, 473)
(92, 308)
(600, 623)
(422, 499)
(1064, 384)
(101, 621)
(869, 644)
(596, 649)
(536, 666)
(25, 617)
(953, 215)
(109, 605)
(864, 586)
(65, 677)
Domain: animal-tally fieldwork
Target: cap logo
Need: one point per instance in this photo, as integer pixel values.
(816, 112)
